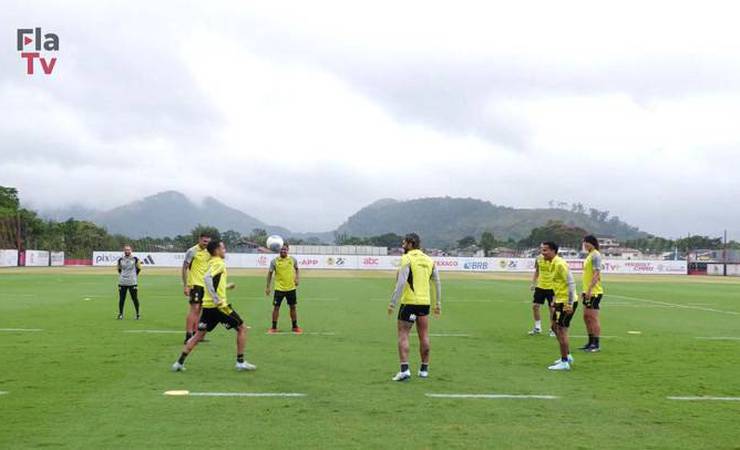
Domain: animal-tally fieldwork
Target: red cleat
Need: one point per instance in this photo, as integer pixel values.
(273, 331)
(298, 330)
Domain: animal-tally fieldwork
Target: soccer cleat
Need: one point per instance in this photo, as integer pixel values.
(423, 374)
(138, 317)
(585, 347)
(552, 334)
(402, 376)
(241, 366)
(177, 367)
(120, 317)
(273, 331)
(570, 359)
(593, 349)
(297, 330)
(535, 331)
(561, 365)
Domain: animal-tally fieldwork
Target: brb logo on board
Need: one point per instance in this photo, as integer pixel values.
(32, 39)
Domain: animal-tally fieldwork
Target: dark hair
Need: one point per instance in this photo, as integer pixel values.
(204, 234)
(553, 246)
(591, 239)
(213, 245)
(413, 239)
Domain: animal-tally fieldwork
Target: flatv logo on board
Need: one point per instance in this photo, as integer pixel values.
(31, 43)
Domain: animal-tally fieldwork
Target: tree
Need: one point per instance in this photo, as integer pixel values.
(9, 202)
(258, 236)
(487, 242)
(465, 242)
(231, 237)
(388, 240)
(564, 235)
(210, 231)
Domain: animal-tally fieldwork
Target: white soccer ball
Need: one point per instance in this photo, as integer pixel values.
(275, 243)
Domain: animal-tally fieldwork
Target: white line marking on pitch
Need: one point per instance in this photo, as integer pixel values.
(450, 335)
(153, 331)
(674, 305)
(707, 398)
(20, 329)
(494, 396)
(3, 392)
(235, 394)
(313, 333)
(584, 336)
(719, 338)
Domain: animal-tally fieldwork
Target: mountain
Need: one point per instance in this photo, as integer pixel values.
(167, 214)
(443, 221)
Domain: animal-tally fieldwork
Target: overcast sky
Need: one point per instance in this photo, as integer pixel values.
(302, 112)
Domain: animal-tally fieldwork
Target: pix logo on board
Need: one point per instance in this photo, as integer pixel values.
(49, 43)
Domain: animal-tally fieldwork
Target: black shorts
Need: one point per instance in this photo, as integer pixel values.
(196, 295)
(540, 295)
(409, 313)
(211, 317)
(561, 317)
(593, 302)
(290, 296)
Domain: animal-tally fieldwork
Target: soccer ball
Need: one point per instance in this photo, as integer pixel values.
(275, 243)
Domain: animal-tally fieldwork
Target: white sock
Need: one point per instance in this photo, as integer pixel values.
(538, 324)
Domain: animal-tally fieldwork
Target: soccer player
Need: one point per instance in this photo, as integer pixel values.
(216, 309)
(285, 269)
(564, 287)
(542, 287)
(592, 293)
(415, 274)
(129, 268)
(193, 270)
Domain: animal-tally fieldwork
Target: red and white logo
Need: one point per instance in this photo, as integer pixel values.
(48, 42)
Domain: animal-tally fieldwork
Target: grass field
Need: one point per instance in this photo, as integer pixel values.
(85, 380)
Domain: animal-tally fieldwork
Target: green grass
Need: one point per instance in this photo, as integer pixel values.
(84, 383)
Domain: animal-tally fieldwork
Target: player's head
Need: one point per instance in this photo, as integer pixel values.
(411, 241)
(203, 240)
(127, 250)
(216, 247)
(549, 249)
(284, 250)
(590, 243)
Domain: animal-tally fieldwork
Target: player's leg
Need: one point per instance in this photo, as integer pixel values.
(537, 300)
(293, 303)
(232, 321)
(422, 329)
(595, 324)
(561, 322)
(187, 348)
(121, 301)
(195, 303)
(135, 298)
(587, 321)
(405, 322)
(277, 300)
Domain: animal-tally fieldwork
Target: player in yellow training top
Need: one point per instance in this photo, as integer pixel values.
(542, 287)
(592, 293)
(216, 309)
(564, 287)
(193, 270)
(285, 269)
(413, 288)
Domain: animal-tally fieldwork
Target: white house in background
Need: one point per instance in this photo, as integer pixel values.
(621, 253)
(607, 242)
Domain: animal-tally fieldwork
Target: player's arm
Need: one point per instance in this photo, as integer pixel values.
(138, 265)
(535, 276)
(403, 275)
(571, 291)
(295, 266)
(437, 289)
(185, 268)
(208, 279)
(596, 267)
(268, 286)
(119, 265)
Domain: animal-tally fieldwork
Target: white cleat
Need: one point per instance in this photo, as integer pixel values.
(240, 366)
(402, 376)
(177, 367)
(423, 374)
(561, 365)
(570, 359)
(535, 331)
(552, 334)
